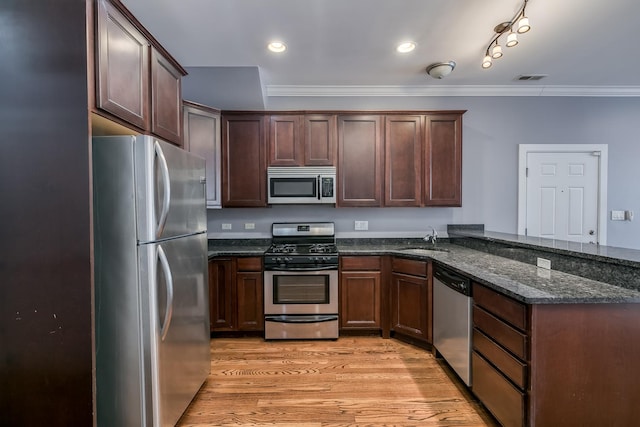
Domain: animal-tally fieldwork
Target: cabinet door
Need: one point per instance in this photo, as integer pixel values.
(221, 296)
(320, 134)
(410, 311)
(202, 137)
(244, 161)
(443, 160)
(249, 288)
(122, 67)
(285, 140)
(360, 300)
(359, 160)
(403, 160)
(166, 99)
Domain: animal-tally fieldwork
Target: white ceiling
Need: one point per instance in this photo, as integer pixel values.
(347, 47)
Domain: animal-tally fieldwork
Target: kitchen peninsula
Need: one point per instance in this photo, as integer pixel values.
(568, 355)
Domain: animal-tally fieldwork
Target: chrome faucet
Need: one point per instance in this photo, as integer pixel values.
(431, 238)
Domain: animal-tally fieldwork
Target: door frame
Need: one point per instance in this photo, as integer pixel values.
(524, 149)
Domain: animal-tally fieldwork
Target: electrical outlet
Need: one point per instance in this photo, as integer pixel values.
(249, 226)
(544, 263)
(226, 226)
(362, 225)
(617, 215)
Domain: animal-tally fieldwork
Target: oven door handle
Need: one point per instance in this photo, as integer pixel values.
(326, 267)
(301, 319)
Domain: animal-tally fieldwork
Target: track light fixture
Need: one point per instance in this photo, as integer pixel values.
(519, 24)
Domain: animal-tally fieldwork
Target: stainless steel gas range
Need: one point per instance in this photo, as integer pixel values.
(301, 282)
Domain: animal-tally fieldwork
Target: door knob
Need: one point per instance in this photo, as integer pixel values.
(591, 232)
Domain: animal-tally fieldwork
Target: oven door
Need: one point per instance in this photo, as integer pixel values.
(301, 292)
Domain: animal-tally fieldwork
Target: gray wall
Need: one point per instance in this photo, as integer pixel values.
(492, 129)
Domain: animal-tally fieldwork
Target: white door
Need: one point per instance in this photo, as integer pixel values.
(563, 197)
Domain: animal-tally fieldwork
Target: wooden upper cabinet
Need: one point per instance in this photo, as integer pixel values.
(403, 160)
(443, 160)
(302, 140)
(122, 67)
(244, 161)
(360, 160)
(320, 140)
(285, 140)
(137, 82)
(166, 98)
(202, 136)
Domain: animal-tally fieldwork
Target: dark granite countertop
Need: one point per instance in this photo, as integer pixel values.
(610, 254)
(237, 247)
(519, 280)
(522, 281)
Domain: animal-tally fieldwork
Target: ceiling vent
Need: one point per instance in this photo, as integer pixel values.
(530, 77)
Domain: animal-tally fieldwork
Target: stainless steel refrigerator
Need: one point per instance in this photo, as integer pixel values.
(151, 290)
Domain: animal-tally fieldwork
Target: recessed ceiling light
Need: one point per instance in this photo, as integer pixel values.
(277, 47)
(406, 47)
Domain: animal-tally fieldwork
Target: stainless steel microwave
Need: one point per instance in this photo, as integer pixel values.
(301, 185)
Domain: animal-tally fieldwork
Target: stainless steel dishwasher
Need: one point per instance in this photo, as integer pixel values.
(452, 320)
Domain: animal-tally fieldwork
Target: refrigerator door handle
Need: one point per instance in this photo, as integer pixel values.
(164, 168)
(169, 278)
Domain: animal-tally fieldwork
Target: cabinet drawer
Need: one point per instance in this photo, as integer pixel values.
(510, 366)
(505, 335)
(498, 395)
(360, 263)
(249, 264)
(410, 266)
(501, 306)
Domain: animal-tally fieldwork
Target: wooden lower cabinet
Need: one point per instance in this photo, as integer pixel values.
(411, 295)
(360, 285)
(555, 364)
(221, 294)
(236, 294)
(250, 308)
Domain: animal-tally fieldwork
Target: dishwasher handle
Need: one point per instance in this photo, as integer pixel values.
(456, 282)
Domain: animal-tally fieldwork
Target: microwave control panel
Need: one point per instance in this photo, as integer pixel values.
(327, 187)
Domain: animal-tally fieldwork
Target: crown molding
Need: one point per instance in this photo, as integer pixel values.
(462, 90)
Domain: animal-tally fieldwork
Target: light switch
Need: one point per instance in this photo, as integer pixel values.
(249, 226)
(226, 226)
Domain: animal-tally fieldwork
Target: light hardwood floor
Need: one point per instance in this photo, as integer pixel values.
(354, 381)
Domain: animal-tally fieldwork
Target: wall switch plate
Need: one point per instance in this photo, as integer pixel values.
(226, 226)
(362, 225)
(617, 215)
(544, 263)
(249, 226)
